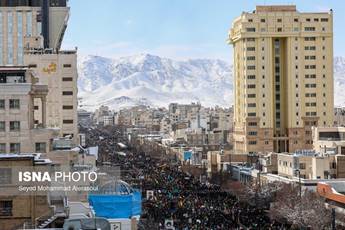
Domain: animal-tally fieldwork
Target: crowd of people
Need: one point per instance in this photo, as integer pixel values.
(176, 198)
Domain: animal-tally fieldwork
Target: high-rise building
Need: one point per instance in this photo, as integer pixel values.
(31, 32)
(283, 67)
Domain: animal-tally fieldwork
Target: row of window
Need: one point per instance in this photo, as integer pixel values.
(14, 126)
(64, 66)
(305, 39)
(263, 20)
(40, 147)
(253, 95)
(253, 86)
(280, 29)
(307, 76)
(13, 104)
(252, 67)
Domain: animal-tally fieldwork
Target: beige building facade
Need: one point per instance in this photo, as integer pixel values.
(311, 165)
(329, 140)
(283, 66)
(18, 131)
(59, 72)
(32, 32)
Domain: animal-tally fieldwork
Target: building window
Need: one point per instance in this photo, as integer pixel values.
(67, 93)
(1, 37)
(301, 165)
(295, 19)
(251, 114)
(6, 207)
(67, 121)
(67, 79)
(41, 147)
(20, 58)
(309, 39)
(67, 107)
(250, 29)
(251, 86)
(310, 85)
(252, 124)
(10, 36)
(14, 104)
(252, 133)
(2, 126)
(2, 148)
(250, 48)
(262, 20)
(251, 67)
(251, 105)
(67, 65)
(324, 19)
(14, 126)
(2, 103)
(28, 23)
(252, 142)
(14, 147)
(309, 28)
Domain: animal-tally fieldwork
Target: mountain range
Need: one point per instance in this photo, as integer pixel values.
(147, 79)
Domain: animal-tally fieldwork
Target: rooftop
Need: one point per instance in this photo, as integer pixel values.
(276, 8)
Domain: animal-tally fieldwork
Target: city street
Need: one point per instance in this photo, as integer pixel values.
(176, 196)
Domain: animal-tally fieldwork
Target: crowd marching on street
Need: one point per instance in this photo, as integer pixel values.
(176, 196)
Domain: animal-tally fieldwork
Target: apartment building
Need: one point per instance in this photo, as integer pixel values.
(283, 66)
(18, 130)
(329, 140)
(18, 209)
(32, 32)
(311, 165)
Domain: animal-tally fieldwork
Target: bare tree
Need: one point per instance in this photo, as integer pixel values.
(305, 211)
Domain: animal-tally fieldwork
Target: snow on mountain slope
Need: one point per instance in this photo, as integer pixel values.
(156, 81)
(153, 80)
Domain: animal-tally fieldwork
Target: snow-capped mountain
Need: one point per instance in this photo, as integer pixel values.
(152, 80)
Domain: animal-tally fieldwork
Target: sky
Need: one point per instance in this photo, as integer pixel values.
(179, 29)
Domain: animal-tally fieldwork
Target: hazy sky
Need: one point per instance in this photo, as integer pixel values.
(172, 28)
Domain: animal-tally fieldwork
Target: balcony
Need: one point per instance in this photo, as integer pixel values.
(15, 88)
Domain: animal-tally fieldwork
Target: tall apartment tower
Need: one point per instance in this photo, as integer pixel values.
(31, 32)
(283, 66)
